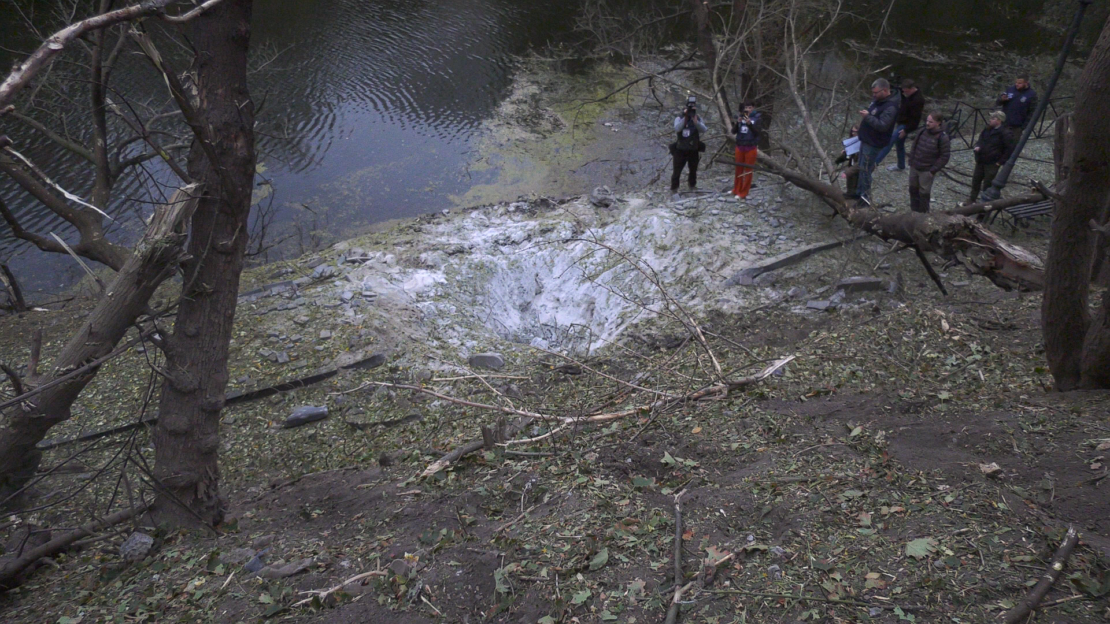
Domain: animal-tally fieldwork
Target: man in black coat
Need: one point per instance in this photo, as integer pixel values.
(991, 152)
(907, 122)
(930, 154)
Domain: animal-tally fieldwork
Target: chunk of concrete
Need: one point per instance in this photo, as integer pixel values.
(304, 415)
(861, 284)
(491, 361)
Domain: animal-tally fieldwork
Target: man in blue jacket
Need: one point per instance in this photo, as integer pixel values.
(1018, 102)
(875, 130)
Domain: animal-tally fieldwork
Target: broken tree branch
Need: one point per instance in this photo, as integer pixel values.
(322, 594)
(948, 234)
(10, 572)
(1034, 597)
(24, 72)
(7, 279)
(714, 391)
(679, 588)
(930, 270)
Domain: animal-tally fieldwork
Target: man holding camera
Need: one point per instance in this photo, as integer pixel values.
(746, 130)
(686, 150)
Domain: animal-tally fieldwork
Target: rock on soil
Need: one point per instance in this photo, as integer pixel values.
(136, 547)
(304, 415)
(491, 361)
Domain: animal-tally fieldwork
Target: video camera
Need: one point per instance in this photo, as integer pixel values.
(691, 106)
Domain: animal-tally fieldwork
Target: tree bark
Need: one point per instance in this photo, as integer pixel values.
(950, 235)
(1075, 347)
(155, 259)
(186, 438)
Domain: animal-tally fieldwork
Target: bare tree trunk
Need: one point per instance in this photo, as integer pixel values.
(186, 438)
(709, 50)
(155, 259)
(1075, 346)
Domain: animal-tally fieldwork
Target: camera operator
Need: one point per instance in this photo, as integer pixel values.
(686, 150)
(747, 130)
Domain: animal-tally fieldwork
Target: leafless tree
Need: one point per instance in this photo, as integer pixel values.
(78, 109)
(212, 206)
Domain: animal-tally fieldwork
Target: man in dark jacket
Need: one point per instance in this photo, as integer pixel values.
(1018, 102)
(686, 150)
(991, 152)
(907, 122)
(875, 130)
(930, 154)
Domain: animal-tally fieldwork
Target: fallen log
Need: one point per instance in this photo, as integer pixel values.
(952, 235)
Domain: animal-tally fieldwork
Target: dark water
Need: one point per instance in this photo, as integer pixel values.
(943, 44)
(369, 111)
(371, 108)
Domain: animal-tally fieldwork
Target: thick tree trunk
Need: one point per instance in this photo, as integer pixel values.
(155, 259)
(951, 235)
(186, 438)
(1076, 347)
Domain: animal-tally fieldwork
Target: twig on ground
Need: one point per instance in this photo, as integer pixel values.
(679, 589)
(324, 593)
(1034, 597)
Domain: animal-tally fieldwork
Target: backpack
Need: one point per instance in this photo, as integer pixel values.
(688, 139)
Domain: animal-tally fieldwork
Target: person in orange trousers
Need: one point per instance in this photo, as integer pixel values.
(747, 148)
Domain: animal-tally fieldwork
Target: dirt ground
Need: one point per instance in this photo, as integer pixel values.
(851, 488)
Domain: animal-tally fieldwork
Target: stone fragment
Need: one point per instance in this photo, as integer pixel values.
(861, 284)
(325, 334)
(281, 357)
(992, 470)
(602, 197)
(304, 415)
(400, 567)
(287, 570)
(301, 320)
(491, 361)
(324, 271)
(136, 547)
(819, 305)
(237, 556)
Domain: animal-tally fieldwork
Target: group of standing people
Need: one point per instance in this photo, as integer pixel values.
(892, 117)
(885, 125)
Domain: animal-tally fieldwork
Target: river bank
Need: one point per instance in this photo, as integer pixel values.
(858, 470)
